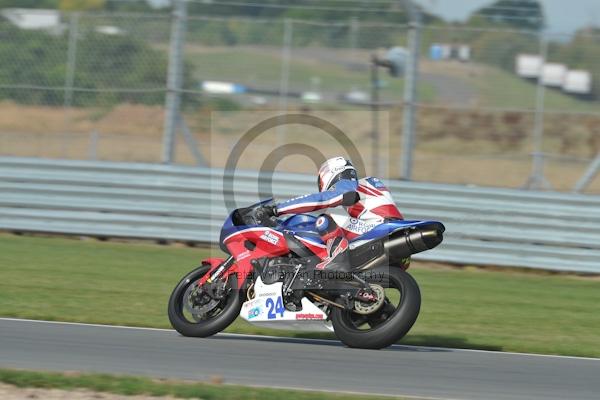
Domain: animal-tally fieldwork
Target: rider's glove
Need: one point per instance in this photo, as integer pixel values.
(265, 213)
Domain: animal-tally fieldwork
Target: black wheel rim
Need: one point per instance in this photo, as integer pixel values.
(392, 304)
(182, 309)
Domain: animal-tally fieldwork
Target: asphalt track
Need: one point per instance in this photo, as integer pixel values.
(296, 363)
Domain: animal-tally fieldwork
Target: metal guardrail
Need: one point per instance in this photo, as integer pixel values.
(485, 226)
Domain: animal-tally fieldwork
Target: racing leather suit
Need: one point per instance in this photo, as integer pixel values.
(368, 203)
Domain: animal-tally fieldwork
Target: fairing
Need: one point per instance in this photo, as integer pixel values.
(249, 242)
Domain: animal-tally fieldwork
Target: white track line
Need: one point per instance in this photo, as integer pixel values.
(244, 335)
(301, 389)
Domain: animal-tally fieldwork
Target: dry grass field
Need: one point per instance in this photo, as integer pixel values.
(465, 147)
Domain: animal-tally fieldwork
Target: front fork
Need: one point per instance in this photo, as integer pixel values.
(217, 271)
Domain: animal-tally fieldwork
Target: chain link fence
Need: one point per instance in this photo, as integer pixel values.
(94, 87)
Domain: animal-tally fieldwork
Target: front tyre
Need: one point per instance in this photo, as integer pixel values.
(215, 315)
(390, 322)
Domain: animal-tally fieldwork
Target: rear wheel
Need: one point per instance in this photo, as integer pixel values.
(193, 312)
(390, 321)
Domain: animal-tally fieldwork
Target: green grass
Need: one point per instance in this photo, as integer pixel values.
(128, 385)
(129, 284)
(500, 88)
(263, 70)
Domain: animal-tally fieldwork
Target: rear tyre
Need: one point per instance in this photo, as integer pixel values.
(223, 314)
(388, 324)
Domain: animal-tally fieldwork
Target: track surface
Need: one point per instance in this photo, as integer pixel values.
(314, 364)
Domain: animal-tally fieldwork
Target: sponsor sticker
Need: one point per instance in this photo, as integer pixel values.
(377, 183)
(358, 226)
(270, 237)
(253, 312)
(242, 255)
(266, 294)
(309, 316)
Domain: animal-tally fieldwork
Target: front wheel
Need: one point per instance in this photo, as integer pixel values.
(389, 322)
(192, 312)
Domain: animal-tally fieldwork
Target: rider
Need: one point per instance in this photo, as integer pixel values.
(367, 201)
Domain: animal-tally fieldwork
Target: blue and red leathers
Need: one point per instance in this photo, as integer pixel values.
(368, 203)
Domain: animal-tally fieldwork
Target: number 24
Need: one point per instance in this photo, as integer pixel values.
(275, 308)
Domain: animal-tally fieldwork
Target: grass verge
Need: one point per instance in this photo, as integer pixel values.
(129, 284)
(129, 385)
(260, 66)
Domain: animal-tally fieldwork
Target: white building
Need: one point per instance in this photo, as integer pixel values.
(528, 65)
(553, 74)
(34, 19)
(578, 82)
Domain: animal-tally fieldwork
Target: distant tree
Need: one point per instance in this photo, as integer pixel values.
(524, 14)
(103, 62)
(75, 5)
(324, 10)
(70, 5)
(131, 6)
(28, 3)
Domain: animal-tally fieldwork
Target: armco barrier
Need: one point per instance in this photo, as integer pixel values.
(485, 226)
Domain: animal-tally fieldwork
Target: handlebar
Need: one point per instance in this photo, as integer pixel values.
(253, 216)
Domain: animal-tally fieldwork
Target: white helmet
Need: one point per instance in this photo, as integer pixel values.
(333, 170)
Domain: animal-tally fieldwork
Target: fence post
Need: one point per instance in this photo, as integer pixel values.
(375, 117)
(410, 93)
(93, 145)
(70, 77)
(191, 142)
(588, 176)
(537, 180)
(286, 53)
(353, 38)
(174, 80)
(71, 59)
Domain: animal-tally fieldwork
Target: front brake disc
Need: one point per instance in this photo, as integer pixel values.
(192, 305)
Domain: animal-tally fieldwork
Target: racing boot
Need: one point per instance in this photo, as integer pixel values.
(338, 255)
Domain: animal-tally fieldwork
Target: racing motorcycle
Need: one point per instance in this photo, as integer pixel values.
(272, 278)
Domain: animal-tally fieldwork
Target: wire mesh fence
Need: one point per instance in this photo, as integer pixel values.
(94, 86)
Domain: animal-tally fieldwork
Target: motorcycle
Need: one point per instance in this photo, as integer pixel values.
(273, 278)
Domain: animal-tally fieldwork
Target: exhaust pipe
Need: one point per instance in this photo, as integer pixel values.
(416, 241)
(408, 242)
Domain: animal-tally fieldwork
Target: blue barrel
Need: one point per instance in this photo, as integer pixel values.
(436, 52)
